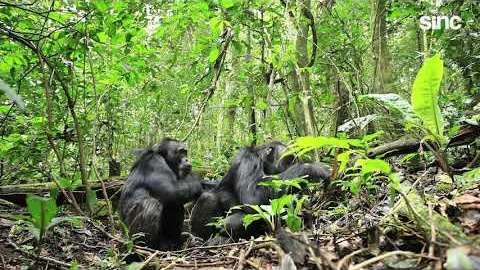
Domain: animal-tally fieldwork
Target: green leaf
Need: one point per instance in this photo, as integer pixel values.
(76, 221)
(299, 204)
(425, 94)
(4, 109)
(91, 198)
(102, 37)
(370, 137)
(279, 204)
(262, 105)
(373, 165)
(65, 183)
(213, 55)
(227, 3)
(343, 158)
(294, 223)
(248, 219)
(74, 266)
(102, 6)
(303, 145)
(42, 210)
(135, 266)
(118, 39)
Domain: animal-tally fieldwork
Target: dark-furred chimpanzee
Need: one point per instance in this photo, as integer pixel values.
(239, 186)
(159, 184)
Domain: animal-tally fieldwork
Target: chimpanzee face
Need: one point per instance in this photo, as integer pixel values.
(184, 165)
(175, 153)
(270, 154)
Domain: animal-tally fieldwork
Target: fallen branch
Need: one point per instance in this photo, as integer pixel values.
(386, 255)
(446, 232)
(398, 147)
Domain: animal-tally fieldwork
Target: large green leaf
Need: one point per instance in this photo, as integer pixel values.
(42, 210)
(294, 222)
(279, 204)
(425, 94)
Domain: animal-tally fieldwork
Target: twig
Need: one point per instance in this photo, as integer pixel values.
(69, 196)
(252, 264)
(347, 257)
(386, 255)
(170, 265)
(148, 260)
(431, 248)
(249, 249)
(241, 259)
(107, 201)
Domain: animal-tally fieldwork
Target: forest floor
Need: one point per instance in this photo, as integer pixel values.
(438, 231)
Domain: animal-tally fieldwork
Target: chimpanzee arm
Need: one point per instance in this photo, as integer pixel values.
(166, 188)
(314, 171)
(249, 192)
(163, 184)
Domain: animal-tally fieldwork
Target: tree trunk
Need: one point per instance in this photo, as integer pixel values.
(228, 111)
(301, 77)
(252, 123)
(381, 56)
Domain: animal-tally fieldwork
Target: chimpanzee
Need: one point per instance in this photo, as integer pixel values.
(159, 184)
(239, 186)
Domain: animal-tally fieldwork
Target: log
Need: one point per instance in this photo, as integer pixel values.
(398, 147)
(424, 219)
(467, 134)
(18, 193)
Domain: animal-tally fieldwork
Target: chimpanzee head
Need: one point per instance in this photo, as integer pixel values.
(175, 154)
(270, 154)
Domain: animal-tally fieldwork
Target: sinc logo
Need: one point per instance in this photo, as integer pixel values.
(436, 22)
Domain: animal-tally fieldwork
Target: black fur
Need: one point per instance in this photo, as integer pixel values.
(239, 186)
(159, 184)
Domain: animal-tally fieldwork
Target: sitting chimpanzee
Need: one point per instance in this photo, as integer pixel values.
(239, 186)
(152, 199)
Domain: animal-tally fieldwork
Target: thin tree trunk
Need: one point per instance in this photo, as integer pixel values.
(382, 69)
(305, 120)
(251, 97)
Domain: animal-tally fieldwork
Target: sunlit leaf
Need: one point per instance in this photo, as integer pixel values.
(425, 94)
(102, 6)
(373, 165)
(280, 203)
(227, 3)
(42, 210)
(294, 223)
(213, 55)
(248, 219)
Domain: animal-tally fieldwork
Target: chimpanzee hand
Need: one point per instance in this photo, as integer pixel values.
(195, 185)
